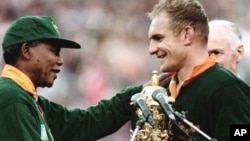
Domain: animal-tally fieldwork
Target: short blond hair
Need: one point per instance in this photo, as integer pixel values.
(183, 13)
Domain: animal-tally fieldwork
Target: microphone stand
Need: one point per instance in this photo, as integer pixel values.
(182, 117)
(138, 126)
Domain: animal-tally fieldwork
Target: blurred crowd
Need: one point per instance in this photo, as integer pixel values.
(113, 35)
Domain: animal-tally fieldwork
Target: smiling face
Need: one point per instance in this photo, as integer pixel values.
(165, 44)
(43, 63)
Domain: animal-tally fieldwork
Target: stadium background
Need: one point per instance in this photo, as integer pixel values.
(113, 34)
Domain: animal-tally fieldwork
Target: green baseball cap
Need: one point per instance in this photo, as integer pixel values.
(31, 28)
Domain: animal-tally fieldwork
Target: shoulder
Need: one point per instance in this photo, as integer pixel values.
(225, 83)
(11, 92)
(219, 75)
(219, 80)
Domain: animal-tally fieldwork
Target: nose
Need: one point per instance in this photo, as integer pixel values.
(152, 49)
(59, 60)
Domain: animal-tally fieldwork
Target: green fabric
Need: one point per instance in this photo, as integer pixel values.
(21, 120)
(215, 100)
(18, 113)
(30, 28)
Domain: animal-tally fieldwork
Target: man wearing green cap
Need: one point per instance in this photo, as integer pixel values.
(31, 51)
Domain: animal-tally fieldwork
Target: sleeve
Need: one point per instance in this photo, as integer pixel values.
(19, 122)
(92, 123)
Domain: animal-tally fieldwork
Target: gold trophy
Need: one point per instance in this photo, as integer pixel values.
(160, 128)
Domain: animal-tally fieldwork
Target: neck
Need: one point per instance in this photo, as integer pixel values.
(194, 60)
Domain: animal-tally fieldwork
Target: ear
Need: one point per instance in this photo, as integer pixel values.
(25, 51)
(188, 34)
(240, 52)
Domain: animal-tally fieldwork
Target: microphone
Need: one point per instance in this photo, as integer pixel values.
(140, 100)
(159, 96)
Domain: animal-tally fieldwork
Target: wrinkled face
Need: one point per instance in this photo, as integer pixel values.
(219, 45)
(165, 45)
(44, 64)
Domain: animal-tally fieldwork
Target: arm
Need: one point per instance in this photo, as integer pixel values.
(93, 123)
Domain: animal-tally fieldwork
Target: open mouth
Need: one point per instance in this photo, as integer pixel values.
(161, 55)
(56, 71)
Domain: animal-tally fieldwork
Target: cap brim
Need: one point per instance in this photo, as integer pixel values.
(62, 43)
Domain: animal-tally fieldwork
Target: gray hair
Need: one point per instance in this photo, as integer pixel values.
(235, 33)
